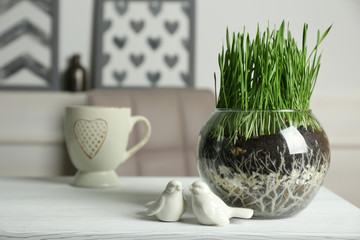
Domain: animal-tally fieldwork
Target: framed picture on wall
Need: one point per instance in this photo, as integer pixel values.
(140, 43)
(29, 45)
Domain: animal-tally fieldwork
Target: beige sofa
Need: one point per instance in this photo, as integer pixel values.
(176, 117)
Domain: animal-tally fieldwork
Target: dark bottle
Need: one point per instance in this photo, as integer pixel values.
(76, 75)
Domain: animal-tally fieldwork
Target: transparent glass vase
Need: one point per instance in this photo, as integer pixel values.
(272, 161)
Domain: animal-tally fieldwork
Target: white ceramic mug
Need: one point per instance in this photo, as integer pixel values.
(96, 139)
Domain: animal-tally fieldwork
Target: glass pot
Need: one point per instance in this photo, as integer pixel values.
(272, 161)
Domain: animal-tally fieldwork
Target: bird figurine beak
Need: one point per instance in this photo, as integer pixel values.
(179, 188)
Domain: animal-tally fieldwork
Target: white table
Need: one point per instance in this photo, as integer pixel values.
(49, 208)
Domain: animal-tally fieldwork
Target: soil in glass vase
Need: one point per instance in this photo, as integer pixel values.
(277, 173)
(262, 147)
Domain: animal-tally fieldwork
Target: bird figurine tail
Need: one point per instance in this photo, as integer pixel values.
(242, 212)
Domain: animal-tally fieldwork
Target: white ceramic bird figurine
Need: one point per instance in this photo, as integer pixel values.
(209, 209)
(170, 205)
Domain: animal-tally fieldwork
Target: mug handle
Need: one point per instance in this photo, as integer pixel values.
(143, 141)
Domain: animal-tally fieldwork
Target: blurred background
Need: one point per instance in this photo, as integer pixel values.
(170, 49)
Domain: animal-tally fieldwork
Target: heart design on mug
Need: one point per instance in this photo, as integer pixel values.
(91, 135)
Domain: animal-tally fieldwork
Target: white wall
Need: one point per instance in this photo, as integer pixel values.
(341, 49)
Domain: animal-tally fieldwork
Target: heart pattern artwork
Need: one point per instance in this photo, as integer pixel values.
(149, 44)
(171, 27)
(170, 60)
(121, 6)
(153, 77)
(137, 60)
(91, 135)
(119, 42)
(155, 7)
(185, 77)
(119, 76)
(154, 43)
(137, 26)
(186, 44)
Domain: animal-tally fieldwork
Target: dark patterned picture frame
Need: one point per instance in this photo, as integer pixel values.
(47, 75)
(167, 35)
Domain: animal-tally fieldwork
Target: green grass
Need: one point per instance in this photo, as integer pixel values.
(234, 124)
(269, 72)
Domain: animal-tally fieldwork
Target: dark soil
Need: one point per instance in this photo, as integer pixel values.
(263, 153)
